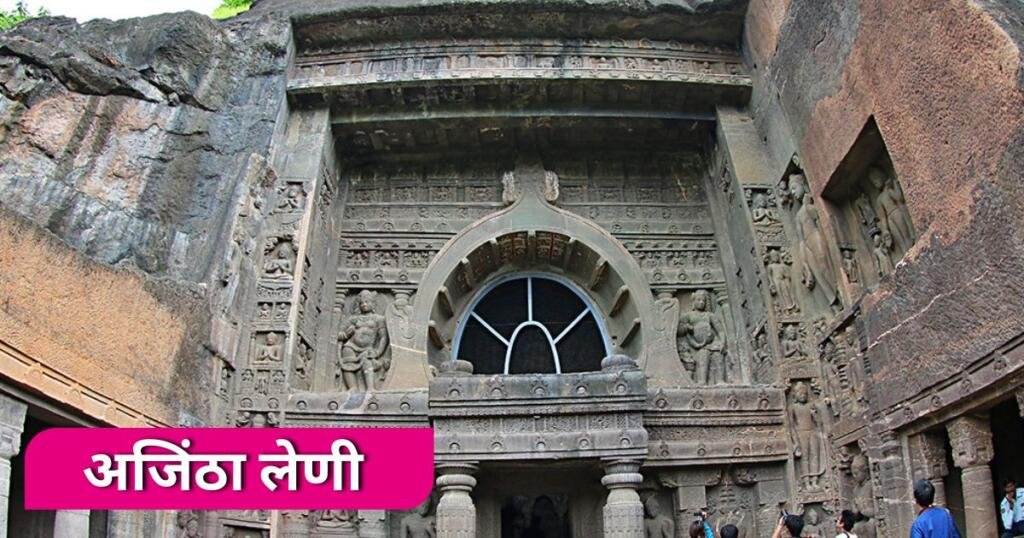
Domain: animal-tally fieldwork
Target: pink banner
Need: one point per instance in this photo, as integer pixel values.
(229, 468)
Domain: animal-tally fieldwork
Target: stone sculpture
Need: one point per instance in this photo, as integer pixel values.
(813, 527)
(188, 524)
(291, 199)
(781, 282)
(761, 212)
(891, 208)
(863, 498)
(342, 520)
(819, 270)
(792, 346)
(656, 524)
(850, 266)
(280, 262)
(271, 350)
(362, 362)
(509, 191)
(704, 334)
(419, 524)
(883, 263)
(303, 365)
(809, 446)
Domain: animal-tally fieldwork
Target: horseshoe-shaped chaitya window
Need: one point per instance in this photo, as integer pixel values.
(531, 324)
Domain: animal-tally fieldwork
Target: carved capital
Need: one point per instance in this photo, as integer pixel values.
(928, 456)
(12, 422)
(971, 439)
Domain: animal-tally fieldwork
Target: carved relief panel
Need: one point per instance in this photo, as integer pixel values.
(873, 222)
(657, 209)
(395, 218)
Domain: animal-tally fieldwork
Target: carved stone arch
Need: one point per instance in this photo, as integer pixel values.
(534, 235)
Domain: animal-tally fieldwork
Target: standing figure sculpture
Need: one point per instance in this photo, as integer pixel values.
(863, 498)
(656, 524)
(361, 359)
(883, 263)
(819, 268)
(780, 281)
(850, 266)
(809, 446)
(704, 332)
(891, 208)
(419, 524)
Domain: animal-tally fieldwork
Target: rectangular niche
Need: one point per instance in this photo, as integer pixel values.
(873, 225)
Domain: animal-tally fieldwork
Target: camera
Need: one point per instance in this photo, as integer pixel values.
(701, 516)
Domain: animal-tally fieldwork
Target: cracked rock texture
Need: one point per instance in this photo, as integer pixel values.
(943, 81)
(126, 138)
(127, 141)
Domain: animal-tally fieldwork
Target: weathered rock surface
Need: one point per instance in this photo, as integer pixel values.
(126, 138)
(951, 110)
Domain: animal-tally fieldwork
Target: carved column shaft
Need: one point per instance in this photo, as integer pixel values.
(456, 514)
(971, 439)
(623, 511)
(928, 456)
(12, 422)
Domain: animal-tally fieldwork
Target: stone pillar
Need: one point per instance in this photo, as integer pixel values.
(971, 439)
(456, 514)
(623, 511)
(71, 524)
(928, 462)
(12, 421)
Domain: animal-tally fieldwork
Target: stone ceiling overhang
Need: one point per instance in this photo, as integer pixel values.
(425, 95)
(324, 24)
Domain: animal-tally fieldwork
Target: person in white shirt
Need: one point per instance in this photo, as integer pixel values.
(1011, 509)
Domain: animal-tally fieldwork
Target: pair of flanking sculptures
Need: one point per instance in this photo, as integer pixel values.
(363, 359)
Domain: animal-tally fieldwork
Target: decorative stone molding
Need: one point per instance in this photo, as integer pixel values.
(36, 374)
(540, 416)
(526, 60)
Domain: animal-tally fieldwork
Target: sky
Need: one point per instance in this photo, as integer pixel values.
(84, 10)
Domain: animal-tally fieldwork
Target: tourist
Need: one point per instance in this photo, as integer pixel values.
(932, 521)
(844, 524)
(1012, 510)
(729, 531)
(700, 528)
(789, 526)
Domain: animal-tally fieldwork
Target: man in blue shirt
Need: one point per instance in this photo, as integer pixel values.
(932, 521)
(1012, 510)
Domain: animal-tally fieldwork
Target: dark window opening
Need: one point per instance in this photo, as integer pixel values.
(532, 324)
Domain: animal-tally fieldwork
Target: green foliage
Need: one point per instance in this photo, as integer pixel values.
(11, 18)
(230, 8)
